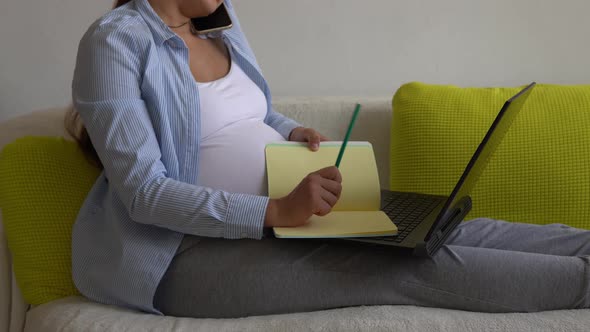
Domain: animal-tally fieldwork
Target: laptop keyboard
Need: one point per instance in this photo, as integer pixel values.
(407, 211)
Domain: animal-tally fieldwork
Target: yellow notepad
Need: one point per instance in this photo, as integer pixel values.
(357, 212)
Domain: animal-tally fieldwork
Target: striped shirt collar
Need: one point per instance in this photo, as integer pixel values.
(159, 29)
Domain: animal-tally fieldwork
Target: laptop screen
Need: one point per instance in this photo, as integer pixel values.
(480, 158)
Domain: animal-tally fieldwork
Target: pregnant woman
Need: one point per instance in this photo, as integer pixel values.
(175, 224)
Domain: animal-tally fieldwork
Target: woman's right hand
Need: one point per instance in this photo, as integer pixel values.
(316, 194)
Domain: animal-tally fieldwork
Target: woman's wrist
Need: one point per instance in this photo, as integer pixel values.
(271, 213)
(290, 138)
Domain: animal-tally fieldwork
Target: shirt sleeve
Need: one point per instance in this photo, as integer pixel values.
(281, 123)
(106, 92)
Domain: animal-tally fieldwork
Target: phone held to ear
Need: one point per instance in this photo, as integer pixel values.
(216, 21)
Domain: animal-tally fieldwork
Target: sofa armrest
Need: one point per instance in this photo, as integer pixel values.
(5, 281)
(12, 305)
(18, 308)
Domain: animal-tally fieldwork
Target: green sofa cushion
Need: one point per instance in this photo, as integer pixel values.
(539, 174)
(43, 182)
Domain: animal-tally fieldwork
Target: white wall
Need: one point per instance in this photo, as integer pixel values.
(329, 47)
(38, 45)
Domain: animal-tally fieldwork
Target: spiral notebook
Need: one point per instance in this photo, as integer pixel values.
(357, 212)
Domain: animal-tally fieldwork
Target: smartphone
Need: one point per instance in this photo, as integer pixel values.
(218, 20)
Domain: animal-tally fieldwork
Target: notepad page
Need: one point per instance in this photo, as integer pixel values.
(288, 163)
(340, 224)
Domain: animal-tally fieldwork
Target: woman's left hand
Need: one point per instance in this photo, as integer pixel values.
(309, 135)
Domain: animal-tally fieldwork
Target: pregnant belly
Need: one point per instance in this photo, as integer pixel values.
(232, 159)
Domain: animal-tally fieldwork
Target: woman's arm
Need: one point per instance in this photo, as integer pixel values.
(106, 92)
(282, 124)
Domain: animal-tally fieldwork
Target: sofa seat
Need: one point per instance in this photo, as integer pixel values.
(79, 314)
(331, 116)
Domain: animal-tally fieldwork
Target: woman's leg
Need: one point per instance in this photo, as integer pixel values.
(554, 239)
(235, 278)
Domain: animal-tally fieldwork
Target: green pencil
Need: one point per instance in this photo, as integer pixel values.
(347, 136)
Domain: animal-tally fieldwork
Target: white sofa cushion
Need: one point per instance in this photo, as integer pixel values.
(49, 122)
(78, 314)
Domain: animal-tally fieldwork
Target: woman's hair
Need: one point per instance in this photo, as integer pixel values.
(75, 127)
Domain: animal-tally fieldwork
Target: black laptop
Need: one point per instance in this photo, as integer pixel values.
(425, 221)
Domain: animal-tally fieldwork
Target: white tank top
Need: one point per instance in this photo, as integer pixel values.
(233, 134)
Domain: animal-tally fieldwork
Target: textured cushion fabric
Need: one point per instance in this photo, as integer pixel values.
(43, 182)
(74, 314)
(538, 174)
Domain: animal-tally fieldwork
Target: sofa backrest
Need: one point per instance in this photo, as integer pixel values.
(329, 115)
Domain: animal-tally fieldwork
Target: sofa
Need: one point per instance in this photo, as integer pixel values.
(330, 116)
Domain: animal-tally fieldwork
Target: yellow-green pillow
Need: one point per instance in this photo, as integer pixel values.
(43, 182)
(539, 174)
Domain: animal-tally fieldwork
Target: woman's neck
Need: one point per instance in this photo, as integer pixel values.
(169, 12)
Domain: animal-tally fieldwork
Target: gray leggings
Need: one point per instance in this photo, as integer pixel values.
(487, 265)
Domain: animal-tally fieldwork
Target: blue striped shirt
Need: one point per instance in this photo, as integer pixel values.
(140, 104)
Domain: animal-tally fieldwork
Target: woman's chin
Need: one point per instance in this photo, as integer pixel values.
(208, 7)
